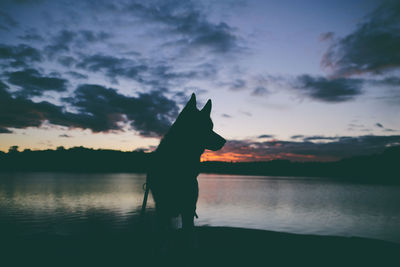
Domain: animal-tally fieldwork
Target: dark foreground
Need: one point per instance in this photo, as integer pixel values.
(214, 246)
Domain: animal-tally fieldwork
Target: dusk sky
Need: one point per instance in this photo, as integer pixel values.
(299, 80)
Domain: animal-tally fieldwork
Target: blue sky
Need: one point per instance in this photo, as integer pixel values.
(308, 76)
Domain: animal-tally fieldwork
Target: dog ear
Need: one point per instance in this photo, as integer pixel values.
(207, 108)
(192, 102)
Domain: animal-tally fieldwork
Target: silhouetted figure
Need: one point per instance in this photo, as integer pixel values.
(174, 166)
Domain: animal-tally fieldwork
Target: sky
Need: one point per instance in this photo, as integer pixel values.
(298, 80)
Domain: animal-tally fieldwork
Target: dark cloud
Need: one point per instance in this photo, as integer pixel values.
(3, 86)
(6, 21)
(226, 115)
(297, 136)
(98, 108)
(260, 91)
(66, 61)
(19, 55)
(112, 66)
(61, 42)
(31, 35)
(373, 47)
(65, 39)
(388, 81)
(237, 84)
(390, 130)
(77, 75)
(150, 114)
(92, 37)
(33, 83)
(379, 125)
(336, 148)
(329, 90)
(22, 113)
(266, 136)
(185, 20)
(326, 36)
(5, 131)
(155, 74)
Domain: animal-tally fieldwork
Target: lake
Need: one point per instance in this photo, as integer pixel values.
(67, 203)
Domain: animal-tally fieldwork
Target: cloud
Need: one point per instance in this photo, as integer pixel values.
(374, 47)
(328, 90)
(237, 84)
(112, 66)
(150, 114)
(390, 130)
(19, 55)
(326, 36)
(266, 136)
(5, 131)
(98, 108)
(60, 42)
(155, 74)
(297, 136)
(387, 81)
(77, 75)
(66, 61)
(3, 94)
(22, 113)
(33, 83)
(186, 21)
(3, 86)
(304, 150)
(260, 91)
(31, 35)
(65, 39)
(226, 115)
(88, 36)
(379, 125)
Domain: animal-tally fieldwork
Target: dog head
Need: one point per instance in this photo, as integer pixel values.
(200, 125)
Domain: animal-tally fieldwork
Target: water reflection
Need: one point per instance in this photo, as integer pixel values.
(63, 204)
(43, 192)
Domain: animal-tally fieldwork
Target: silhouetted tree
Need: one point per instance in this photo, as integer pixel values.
(13, 149)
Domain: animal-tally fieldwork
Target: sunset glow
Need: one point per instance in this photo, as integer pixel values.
(238, 157)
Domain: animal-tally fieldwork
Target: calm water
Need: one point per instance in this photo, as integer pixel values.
(64, 204)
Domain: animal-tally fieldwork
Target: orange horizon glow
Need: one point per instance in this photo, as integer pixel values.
(247, 157)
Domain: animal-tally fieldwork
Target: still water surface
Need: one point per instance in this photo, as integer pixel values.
(65, 204)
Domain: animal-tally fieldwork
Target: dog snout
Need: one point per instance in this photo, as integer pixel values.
(216, 142)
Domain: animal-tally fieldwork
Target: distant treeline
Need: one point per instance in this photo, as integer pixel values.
(76, 159)
(379, 168)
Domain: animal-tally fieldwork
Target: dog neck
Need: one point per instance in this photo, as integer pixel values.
(176, 145)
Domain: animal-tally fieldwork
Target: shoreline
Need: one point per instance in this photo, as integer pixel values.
(213, 246)
(341, 179)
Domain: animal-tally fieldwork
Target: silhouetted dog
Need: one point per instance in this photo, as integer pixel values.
(175, 164)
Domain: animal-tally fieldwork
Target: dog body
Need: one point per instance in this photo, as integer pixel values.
(175, 164)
